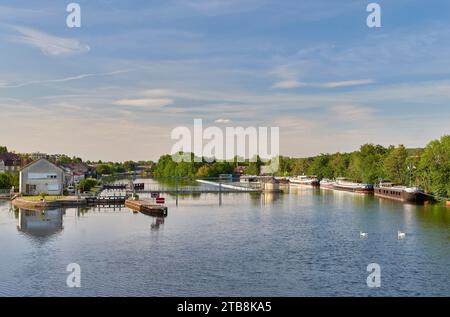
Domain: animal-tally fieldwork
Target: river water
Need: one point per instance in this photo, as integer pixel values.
(302, 243)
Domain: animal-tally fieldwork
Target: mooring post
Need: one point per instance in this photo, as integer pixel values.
(176, 191)
(220, 192)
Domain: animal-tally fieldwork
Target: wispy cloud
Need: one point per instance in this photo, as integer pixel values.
(288, 84)
(145, 102)
(157, 92)
(48, 44)
(59, 80)
(222, 120)
(352, 113)
(347, 83)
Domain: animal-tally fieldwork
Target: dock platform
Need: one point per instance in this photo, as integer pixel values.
(106, 200)
(146, 207)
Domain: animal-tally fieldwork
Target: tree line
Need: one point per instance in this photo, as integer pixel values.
(428, 168)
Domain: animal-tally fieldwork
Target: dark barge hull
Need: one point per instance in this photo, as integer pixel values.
(310, 184)
(401, 195)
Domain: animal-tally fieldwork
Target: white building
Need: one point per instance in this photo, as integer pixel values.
(2, 167)
(41, 176)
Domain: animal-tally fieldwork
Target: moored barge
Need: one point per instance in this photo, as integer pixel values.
(305, 180)
(327, 183)
(401, 193)
(348, 185)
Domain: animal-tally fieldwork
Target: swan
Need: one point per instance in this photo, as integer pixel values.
(401, 235)
(363, 235)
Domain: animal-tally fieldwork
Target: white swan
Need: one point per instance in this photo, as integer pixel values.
(363, 235)
(401, 235)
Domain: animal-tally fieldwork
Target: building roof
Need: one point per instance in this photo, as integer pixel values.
(41, 159)
(10, 159)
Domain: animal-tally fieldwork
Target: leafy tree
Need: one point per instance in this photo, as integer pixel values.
(285, 166)
(8, 180)
(87, 184)
(300, 167)
(104, 169)
(4, 181)
(319, 167)
(3, 149)
(371, 163)
(395, 165)
(434, 167)
(203, 171)
(339, 164)
(254, 168)
(129, 166)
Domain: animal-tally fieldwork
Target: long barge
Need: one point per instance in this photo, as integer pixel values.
(401, 193)
(306, 180)
(347, 185)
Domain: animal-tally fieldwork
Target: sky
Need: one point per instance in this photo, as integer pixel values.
(115, 88)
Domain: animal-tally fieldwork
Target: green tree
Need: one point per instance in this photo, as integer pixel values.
(4, 181)
(371, 163)
(87, 184)
(285, 166)
(300, 167)
(395, 165)
(254, 166)
(434, 167)
(3, 149)
(320, 167)
(203, 171)
(339, 164)
(104, 169)
(8, 180)
(129, 166)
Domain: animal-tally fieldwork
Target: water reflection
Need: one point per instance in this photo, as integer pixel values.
(157, 222)
(40, 223)
(157, 218)
(270, 198)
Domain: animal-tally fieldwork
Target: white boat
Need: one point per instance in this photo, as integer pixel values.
(327, 183)
(309, 180)
(343, 183)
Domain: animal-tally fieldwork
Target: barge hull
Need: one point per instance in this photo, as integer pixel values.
(354, 190)
(401, 195)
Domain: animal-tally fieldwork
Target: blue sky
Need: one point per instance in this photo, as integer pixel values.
(137, 69)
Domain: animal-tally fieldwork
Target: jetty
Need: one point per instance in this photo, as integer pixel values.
(146, 207)
(106, 200)
(230, 187)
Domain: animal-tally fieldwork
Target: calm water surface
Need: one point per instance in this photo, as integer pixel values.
(302, 243)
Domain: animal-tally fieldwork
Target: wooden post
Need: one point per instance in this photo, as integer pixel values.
(220, 192)
(176, 190)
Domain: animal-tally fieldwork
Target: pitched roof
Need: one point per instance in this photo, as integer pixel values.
(10, 159)
(41, 159)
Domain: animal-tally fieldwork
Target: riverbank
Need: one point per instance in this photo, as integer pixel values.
(34, 202)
